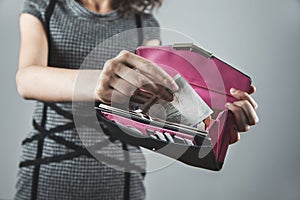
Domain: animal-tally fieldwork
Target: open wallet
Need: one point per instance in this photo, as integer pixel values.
(211, 79)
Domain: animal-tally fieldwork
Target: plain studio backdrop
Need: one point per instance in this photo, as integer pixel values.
(260, 38)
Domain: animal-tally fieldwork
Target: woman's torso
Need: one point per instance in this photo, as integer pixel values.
(74, 32)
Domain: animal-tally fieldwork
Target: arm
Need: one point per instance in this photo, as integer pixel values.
(36, 80)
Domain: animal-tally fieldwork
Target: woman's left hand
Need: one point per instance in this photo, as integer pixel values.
(244, 112)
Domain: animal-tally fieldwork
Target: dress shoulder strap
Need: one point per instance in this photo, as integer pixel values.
(139, 25)
(48, 14)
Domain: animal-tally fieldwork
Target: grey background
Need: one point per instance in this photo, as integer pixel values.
(259, 37)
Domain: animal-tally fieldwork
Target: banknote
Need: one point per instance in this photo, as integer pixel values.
(188, 107)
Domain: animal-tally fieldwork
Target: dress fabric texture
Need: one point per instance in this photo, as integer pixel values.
(75, 32)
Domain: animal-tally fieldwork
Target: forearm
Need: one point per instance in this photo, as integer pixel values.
(56, 84)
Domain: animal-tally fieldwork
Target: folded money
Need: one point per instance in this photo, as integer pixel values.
(188, 103)
(187, 108)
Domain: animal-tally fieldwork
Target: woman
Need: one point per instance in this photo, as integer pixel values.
(53, 46)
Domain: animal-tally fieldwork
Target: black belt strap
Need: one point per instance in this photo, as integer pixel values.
(40, 144)
(59, 111)
(78, 151)
(39, 154)
(50, 133)
(126, 172)
(44, 133)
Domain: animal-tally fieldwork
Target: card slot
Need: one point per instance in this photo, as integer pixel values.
(149, 132)
(154, 122)
(153, 137)
(152, 134)
(189, 142)
(135, 130)
(160, 136)
(168, 137)
(149, 129)
(179, 140)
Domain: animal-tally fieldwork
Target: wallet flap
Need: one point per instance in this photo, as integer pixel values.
(211, 78)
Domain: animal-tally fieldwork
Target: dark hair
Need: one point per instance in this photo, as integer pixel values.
(127, 7)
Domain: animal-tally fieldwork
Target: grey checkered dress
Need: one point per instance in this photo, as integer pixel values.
(55, 164)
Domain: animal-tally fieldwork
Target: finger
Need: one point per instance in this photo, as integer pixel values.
(252, 89)
(132, 76)
(144, 94)
(105, 96)
(103, 91)
(149, 104)
(137, 98)
(240, 117)
(241, 95)
(119, 100)
(140, 81)
(249, 111)
(150, 69)
(234, 136)
(122, 86)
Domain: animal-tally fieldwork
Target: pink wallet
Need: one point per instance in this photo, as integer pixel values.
(212, 79)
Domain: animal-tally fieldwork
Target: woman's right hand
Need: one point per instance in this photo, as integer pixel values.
(127, 72)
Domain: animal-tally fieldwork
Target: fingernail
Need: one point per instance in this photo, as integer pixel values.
(175, 87)
(227, 105)
(167, 96)
(170, 98)
(232, 90)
